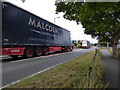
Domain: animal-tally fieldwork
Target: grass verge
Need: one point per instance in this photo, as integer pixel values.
(73, 74)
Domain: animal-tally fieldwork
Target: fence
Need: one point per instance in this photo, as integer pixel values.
(90, 73)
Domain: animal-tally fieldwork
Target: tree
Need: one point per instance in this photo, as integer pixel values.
(100, 19)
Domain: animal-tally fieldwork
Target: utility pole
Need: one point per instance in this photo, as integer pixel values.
(107, 45)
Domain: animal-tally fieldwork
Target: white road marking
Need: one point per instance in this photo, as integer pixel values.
(32, 58)
(1, 56)
(24, 60)
(32, 75)
(4, 57)
(77, 50)
(49, 55)
(38, 57)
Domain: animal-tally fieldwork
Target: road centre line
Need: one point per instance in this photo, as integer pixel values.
(23, 60)
(38, 57)
(33, 58)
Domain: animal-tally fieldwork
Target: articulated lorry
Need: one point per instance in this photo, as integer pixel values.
(26, 34)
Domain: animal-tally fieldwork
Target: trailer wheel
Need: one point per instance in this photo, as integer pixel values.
(66, 49)
(28, 52)
(39, 51)
(14, 56)
(71, 48)
(46, 51)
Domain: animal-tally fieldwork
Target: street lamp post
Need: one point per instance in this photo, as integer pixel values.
(55, 19)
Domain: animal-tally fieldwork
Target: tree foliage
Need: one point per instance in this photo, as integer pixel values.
(100, 19)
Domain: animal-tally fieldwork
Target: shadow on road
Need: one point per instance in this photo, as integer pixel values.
(9, 59)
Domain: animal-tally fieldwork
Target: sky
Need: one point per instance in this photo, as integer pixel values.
(46, 10)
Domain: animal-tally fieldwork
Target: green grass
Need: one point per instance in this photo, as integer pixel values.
(73, 74)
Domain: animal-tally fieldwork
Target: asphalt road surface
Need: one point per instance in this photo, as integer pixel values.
(14, 70)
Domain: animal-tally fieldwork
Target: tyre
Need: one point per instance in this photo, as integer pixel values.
(28, 52)
(45, 51)
(66, 49)
(39, 51)
(71, 49)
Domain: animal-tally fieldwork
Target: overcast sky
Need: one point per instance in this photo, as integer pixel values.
(46, 10)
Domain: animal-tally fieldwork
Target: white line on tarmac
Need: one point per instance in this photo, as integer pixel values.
(49, 55)
(38, 57)
(4, 56)
(23, 60)
(32, 75)
(33, 58)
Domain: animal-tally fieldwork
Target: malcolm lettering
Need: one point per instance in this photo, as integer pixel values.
(42, 25)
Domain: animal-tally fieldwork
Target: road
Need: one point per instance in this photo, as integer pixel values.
(14, 70)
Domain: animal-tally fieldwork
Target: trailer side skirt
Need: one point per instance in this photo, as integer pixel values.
(13, 51)
(20, 50)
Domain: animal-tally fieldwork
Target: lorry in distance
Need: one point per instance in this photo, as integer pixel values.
(85, 44)
(28, 35)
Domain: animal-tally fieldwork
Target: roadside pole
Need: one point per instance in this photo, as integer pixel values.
(119, 50)
(107, 45)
